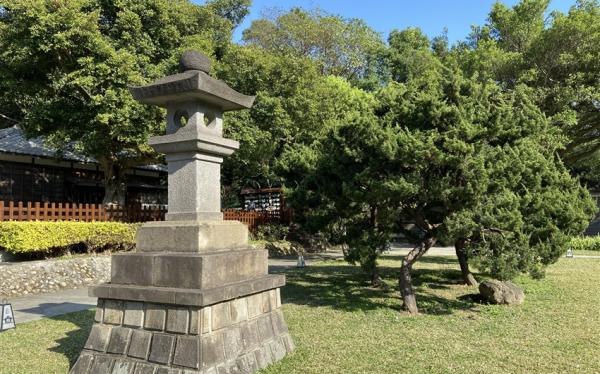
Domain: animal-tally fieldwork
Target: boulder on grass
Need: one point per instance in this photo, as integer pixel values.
(498, 292)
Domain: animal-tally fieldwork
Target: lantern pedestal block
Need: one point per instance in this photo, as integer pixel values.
(191, 236)
(241, 335)
(213, 311)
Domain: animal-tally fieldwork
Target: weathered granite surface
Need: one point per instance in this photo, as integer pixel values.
(191, 236)
(237, 336)
(195, 297)
(193, 60)
(192, 85)
(498, 292)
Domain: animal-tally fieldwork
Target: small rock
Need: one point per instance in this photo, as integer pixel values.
(498, 292)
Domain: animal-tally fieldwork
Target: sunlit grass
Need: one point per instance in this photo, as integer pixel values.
(340, 325)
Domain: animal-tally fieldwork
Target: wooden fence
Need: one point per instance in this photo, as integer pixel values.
(78, 212)
(254, 219)
(36, 211)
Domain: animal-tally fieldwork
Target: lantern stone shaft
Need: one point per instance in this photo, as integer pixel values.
(194, 154)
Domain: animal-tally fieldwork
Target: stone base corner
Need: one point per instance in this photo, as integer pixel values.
(242, 335)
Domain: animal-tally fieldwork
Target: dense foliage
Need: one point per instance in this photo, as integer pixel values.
(294, 106)
(444, 157)
(481, 144)
(558, 57)
(344, 47)
(66, 66)
(52, 237)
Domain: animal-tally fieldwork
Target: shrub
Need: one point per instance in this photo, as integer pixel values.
(271, 232)
(585, 243)
(52, 237)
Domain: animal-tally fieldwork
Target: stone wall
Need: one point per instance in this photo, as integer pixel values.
(32, 277)
(237, 336)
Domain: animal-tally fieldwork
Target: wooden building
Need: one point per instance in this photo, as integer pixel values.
(32, 171)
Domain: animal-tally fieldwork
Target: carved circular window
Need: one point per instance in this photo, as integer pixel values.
(181, 118)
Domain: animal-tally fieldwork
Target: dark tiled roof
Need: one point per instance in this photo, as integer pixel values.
(12, 140)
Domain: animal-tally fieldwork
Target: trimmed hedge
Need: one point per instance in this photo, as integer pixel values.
(585, 243)
(50, 237)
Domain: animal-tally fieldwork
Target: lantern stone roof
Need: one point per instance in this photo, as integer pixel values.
(194, 84)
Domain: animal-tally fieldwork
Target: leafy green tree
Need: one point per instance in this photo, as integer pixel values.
(409, 54)
(294, 106)
(345, 47)
(345, 192)
(557, 56)
(66, 66)
(233, 10)
(444, 148)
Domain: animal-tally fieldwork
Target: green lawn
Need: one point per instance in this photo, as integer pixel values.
(342, 326)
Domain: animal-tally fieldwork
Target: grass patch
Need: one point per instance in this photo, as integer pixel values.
(340, 325)
(45, 346)
(586, 253)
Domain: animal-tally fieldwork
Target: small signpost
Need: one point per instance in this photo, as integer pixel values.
(301, 262)
(8, 319)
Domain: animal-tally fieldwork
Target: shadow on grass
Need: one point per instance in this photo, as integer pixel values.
(71, 345)
(441, 260)
(347, 288)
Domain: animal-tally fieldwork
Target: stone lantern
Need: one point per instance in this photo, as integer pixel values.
(194, 297)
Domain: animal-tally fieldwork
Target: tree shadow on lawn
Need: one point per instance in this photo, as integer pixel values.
(347, 288)
(427, 259)
(71, 345)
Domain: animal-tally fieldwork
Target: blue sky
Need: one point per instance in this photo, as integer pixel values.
(385, 15)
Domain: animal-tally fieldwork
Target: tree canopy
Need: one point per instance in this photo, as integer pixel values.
(480, 144)
(66, 66)
(345, 47)
(557, 56)
(444, 157)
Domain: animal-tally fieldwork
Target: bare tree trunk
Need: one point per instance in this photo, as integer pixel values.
(115, 187)
(405, 278)
(463, 261)
(376, 280)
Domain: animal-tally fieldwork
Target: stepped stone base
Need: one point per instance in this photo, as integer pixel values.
(241, 335)
(191, 236)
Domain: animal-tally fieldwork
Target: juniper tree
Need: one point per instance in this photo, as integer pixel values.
(460, 160)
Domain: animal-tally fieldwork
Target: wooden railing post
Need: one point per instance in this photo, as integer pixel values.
(37, 210)
(20, 211)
